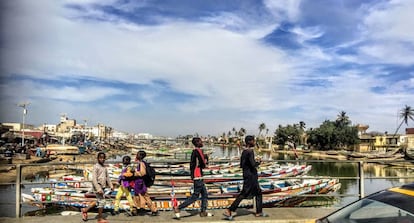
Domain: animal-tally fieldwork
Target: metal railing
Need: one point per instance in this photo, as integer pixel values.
(360, 177)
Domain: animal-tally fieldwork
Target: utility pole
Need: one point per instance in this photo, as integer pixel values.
(23, 105)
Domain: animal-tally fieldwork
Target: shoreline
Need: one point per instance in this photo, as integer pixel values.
(318, 154)
(8, 171)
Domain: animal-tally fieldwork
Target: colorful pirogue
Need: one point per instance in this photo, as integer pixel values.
(173, 184)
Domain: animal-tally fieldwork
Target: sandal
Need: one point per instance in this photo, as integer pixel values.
(262, 215)
(227, 213)
(177, 213)
(84, 215)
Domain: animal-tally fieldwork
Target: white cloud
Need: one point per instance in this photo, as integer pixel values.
(389, 30)
(125, 105)
(25, 89)
(231, 76)
(284, 9)
(307, 33)
(390, 52)
(195, 59)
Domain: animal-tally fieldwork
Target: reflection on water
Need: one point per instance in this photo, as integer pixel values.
(351, 186)
(8, 204)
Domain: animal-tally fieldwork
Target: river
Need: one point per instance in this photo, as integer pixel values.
(334, 169)
(341, 169)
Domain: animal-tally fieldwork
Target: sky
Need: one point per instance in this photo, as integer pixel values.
(204, 67)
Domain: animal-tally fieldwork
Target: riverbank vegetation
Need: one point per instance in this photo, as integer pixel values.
(339, 134)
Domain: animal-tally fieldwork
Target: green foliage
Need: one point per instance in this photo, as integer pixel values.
(290, 133)
(330, 135)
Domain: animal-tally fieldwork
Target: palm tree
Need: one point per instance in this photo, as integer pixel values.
(302, 137)
(405, 114)
(262, 127)
(302, 125)
(342, 119)
(242, 132)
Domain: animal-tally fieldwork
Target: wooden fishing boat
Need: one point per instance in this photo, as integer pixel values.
(165, 201)
(57, 149)
(216, 173)
(409, 154)
(223, 182)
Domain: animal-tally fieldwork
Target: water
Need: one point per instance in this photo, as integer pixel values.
(333, 169)
(8, 204)
(336, 169)
(351, 186)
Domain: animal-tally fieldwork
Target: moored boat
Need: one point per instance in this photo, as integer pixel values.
(409, 154)
(218, 199)
(223, 182)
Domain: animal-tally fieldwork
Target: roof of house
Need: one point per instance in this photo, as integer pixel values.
(409, 131)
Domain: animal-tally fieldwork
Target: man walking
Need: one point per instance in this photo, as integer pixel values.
(251, 185)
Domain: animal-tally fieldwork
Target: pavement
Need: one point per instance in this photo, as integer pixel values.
(276, 215)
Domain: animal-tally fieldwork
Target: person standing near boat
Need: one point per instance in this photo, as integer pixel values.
(251, 185)
(100, 182)
(126, 183)
(141, 196)
(197, 163)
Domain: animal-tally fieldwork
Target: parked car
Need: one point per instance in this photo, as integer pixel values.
(393, 205)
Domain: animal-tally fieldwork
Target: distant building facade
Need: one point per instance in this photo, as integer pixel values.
(409, 140)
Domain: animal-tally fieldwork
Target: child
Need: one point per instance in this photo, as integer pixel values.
(140, 189)
(197, 164)
(100, 181)
(126, 180)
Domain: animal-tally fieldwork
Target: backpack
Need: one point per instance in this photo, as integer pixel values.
(149, 177)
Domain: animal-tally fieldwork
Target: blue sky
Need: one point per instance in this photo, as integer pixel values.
(183, 67)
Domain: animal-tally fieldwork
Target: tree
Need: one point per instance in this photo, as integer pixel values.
(242, 132)
(262, 127)
(302, 125)
(288, 134)
(333, 135)
(342, 119)
(405, 114)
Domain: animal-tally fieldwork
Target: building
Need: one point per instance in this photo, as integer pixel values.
(384, 143)
(409, 140)
(378, 142)
(65, 124)
(366, 142)
(16, 127)
(143, 136)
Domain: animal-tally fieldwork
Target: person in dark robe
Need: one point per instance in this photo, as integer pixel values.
(251, 187)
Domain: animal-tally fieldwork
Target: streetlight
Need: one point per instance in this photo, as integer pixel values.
(23, 105)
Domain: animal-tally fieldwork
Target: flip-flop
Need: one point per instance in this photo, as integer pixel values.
(227, 213)
(262, 215)
(84, 215)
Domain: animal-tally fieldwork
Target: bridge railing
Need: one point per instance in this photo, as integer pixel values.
(360, 176)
